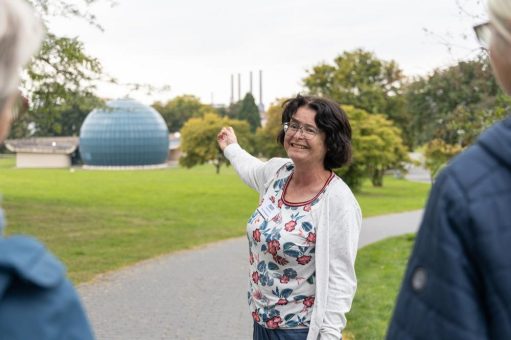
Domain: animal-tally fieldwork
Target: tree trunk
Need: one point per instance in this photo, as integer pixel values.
(377, 178)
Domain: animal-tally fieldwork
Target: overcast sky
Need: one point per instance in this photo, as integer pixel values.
(195, 45)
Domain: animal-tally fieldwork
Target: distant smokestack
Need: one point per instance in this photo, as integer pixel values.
(261, 105)
(232, 88)
(239, 86)
(251, 83)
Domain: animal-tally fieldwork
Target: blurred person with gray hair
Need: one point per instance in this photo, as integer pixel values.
(37, 301)
(458, 281)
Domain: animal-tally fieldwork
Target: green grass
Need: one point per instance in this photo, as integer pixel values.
(396, 195)
(97, 221)
(7, 161)
(380, 268)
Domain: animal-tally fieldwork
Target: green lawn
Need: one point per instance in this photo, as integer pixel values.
(396, 195)
(380, 268)
(97, 221)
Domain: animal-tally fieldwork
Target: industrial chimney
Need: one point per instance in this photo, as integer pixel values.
(232, 88)
(251, 83)
(239, 86)
(261, 105)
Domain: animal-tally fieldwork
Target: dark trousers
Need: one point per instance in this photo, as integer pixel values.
(262, 333)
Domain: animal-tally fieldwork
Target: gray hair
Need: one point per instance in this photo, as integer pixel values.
(21, 32)
(500, 16)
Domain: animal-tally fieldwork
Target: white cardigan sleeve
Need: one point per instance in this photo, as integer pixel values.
(344, 231)
(254, 172)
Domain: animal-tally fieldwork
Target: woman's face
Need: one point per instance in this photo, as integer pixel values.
(500, 57)
(301, 148)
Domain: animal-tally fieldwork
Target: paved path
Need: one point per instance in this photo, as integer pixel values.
(380, 227)
(195, 294)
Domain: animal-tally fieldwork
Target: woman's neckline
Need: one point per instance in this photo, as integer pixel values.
(298, 204)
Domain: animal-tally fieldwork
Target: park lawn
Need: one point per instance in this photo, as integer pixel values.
(380, 268)
(97, 221)
(396, 195)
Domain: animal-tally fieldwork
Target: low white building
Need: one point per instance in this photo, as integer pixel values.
(56, 152)
(174, 147)
(47, 152)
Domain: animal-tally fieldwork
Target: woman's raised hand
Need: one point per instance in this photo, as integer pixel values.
(225, 137)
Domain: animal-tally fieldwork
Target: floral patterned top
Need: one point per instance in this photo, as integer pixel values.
(282, 238)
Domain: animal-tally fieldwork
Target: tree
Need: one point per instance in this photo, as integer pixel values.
(181, 108)
(455, 104)
(198, 139)
(222, 111)
(68, 8)
(377, 147)
(249, 112)
(60, 79)
(60, 84)
(266, 136)
(360, 79)
(437, 154)
(233, 111)
(245, 109)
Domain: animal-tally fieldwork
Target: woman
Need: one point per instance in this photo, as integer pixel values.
(37, 301)
(303, 236)
(457, 285)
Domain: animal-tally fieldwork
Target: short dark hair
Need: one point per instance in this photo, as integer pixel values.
(330, 119)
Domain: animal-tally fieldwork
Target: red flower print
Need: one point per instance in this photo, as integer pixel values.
(282, 302)
(304, 259)
(280, 260)
(308, 301)
(258, 295)
(273, 322)
(255, 316)
(311, 238)
(290, 226)
(280, 202)
(272, 199)
(273, 247)
(284, 279)
(307, 207)
(255, 277)
(251, 259)
(256, 234)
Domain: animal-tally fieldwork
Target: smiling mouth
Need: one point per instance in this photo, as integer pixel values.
(298, 146)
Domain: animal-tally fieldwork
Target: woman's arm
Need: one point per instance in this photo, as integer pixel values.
(254, 172)
(345, 224)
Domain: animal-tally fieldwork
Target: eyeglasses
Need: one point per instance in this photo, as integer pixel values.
(483, 34)
(308, 132)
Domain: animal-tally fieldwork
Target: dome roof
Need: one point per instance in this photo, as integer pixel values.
(124, 133)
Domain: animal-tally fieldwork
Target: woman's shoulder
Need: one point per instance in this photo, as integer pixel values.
(273, 170)
(279, 162)
(339, 187)
(276, 166)
(340, 193)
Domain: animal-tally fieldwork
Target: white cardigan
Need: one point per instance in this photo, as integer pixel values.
(338, 219)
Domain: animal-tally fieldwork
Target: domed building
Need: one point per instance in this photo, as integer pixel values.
(124, 133)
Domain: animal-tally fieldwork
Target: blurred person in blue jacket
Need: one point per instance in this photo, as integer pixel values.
(37, 301)
(458, 281)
